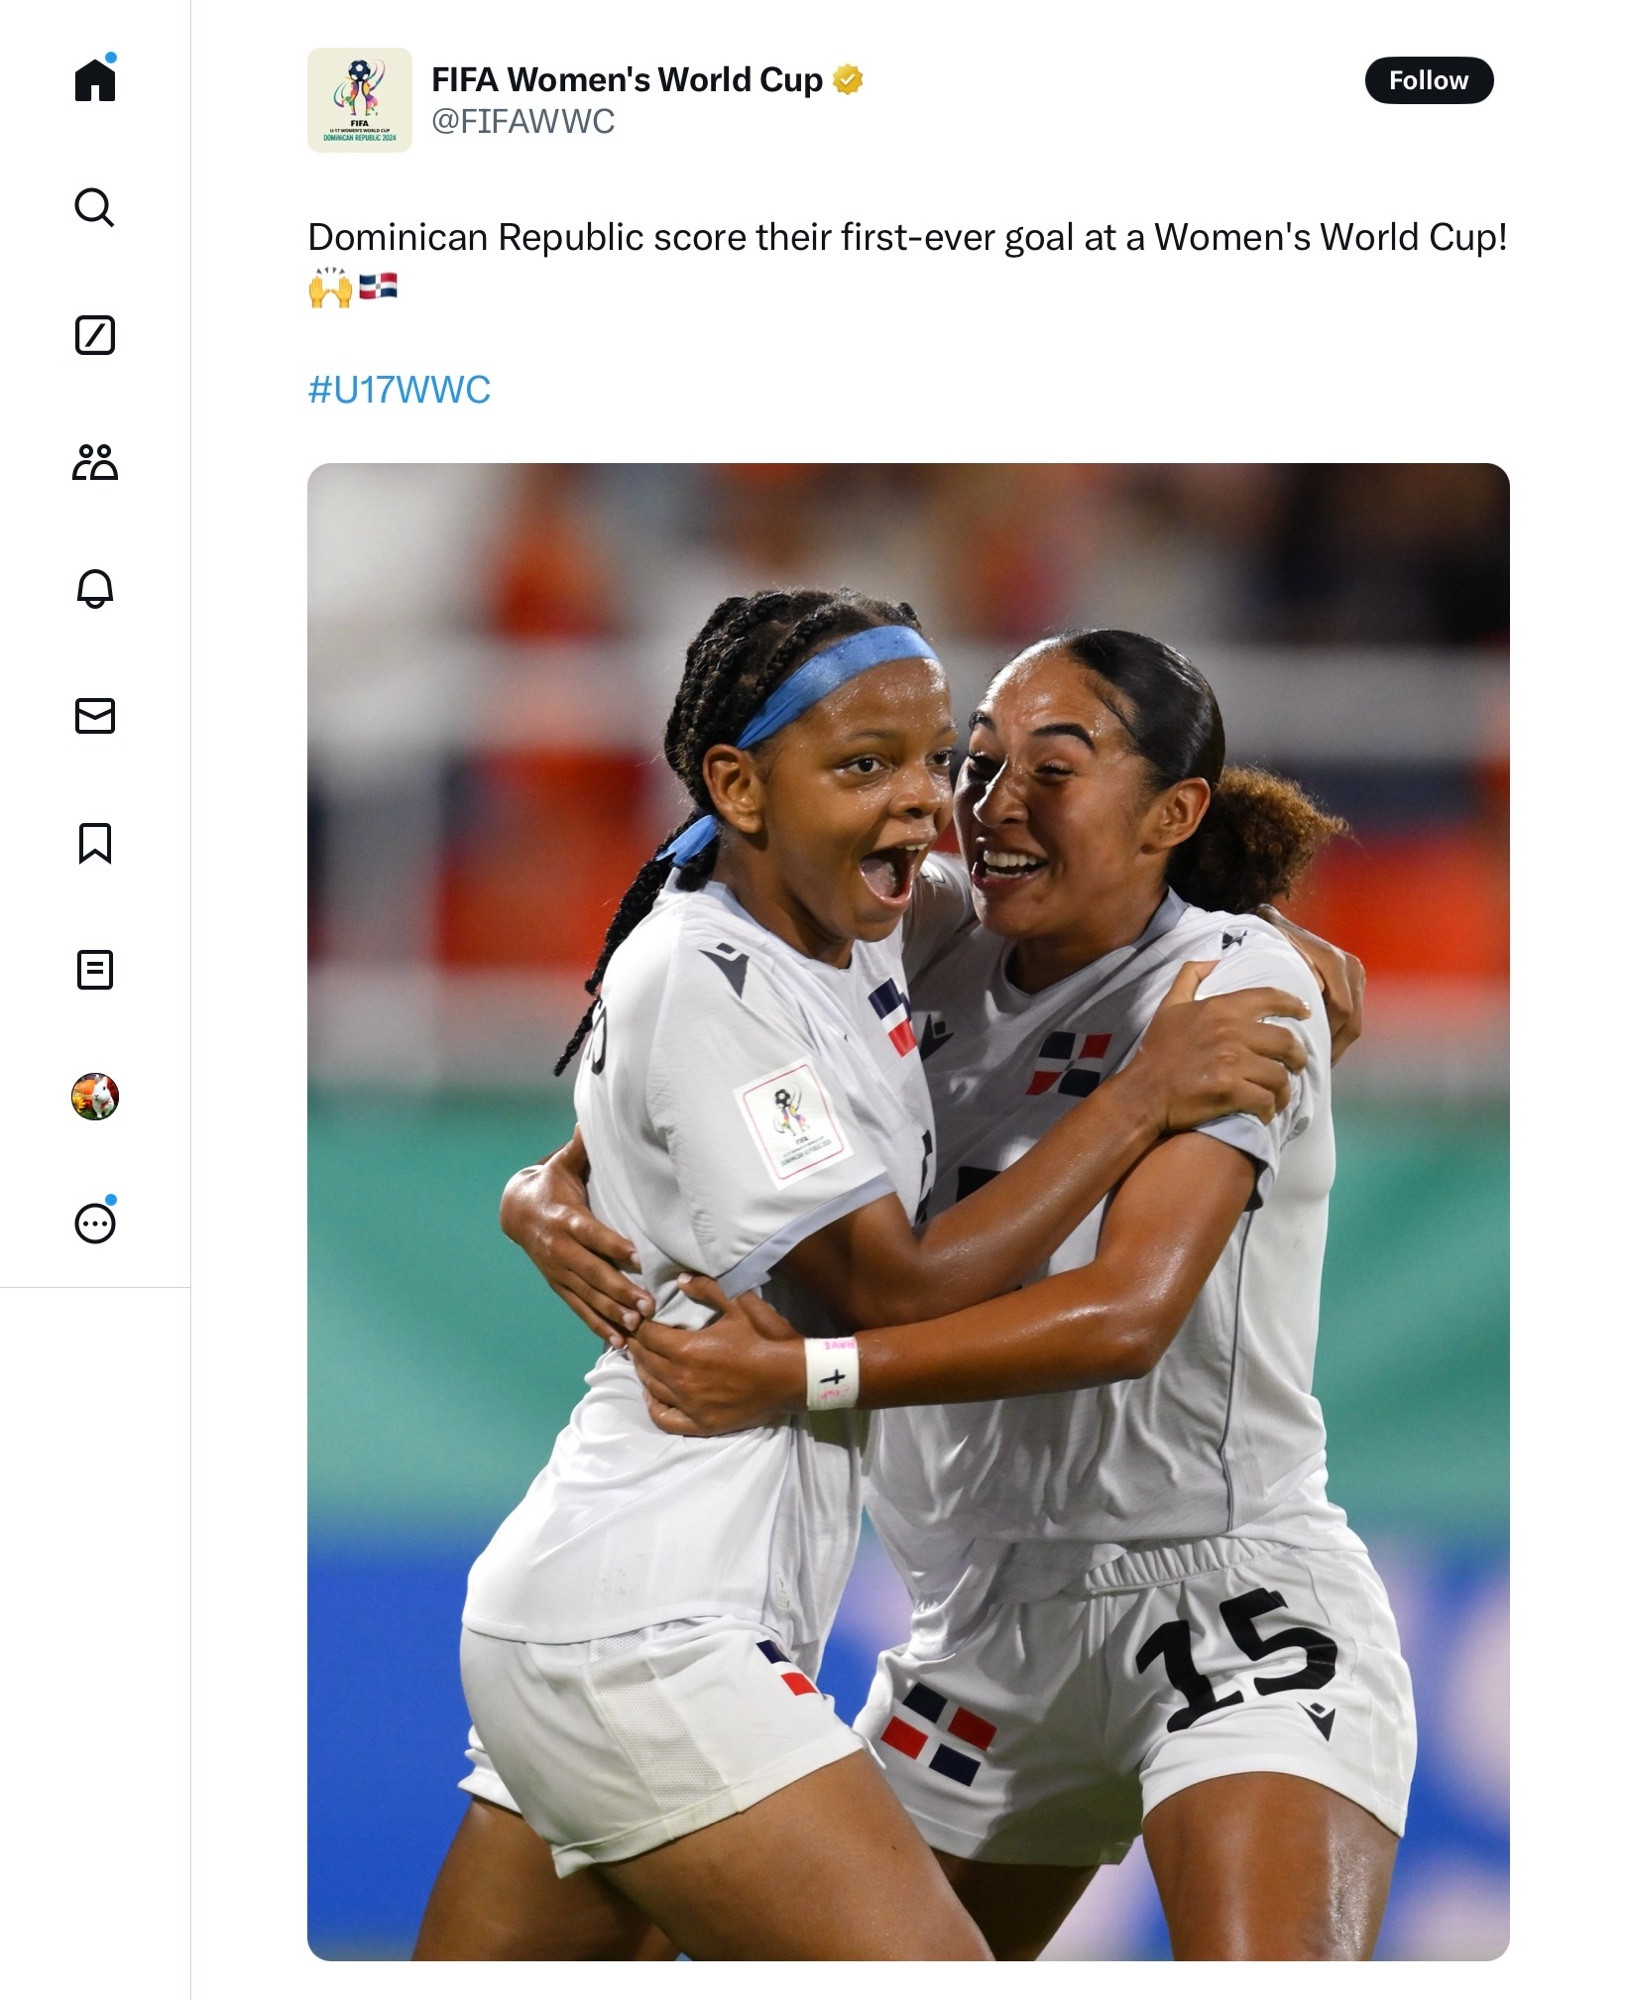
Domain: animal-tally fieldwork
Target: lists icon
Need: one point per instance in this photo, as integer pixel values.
(95, 971)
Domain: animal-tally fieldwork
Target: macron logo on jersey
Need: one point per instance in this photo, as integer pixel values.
(731, 962)
(887, 1000)
(934, 1032)
(1060, 1057)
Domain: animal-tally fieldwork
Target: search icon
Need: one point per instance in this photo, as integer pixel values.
(92, 213)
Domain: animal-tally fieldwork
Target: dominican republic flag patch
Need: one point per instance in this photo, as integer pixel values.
(887, 1000)
(928, 1707)
(798, 1683)
(1063, 1064)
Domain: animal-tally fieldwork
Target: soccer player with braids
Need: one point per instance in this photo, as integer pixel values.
(643, 1634)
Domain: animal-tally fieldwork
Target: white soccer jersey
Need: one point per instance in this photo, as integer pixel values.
(735, 1097)
(1009, 1499)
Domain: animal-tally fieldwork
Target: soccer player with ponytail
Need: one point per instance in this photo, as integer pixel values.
(642, 1635)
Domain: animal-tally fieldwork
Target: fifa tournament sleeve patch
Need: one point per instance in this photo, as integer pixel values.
(793, 1122)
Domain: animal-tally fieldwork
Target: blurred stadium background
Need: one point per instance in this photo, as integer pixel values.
(492, 654)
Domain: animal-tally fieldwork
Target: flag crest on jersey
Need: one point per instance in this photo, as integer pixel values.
(887, 1000)
(798, 1683)
(1069, 1063)
(964, 1724)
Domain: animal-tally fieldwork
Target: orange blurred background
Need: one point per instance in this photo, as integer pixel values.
(486, 767)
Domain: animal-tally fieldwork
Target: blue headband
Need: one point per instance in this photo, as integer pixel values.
(811, 682)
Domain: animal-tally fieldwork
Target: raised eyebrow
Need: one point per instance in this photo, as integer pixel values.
(981, 720)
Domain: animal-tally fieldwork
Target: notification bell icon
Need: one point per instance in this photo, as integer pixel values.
(95, 589)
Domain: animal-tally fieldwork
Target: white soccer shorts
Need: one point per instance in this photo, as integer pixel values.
(613, 1746)
(1056, 1726)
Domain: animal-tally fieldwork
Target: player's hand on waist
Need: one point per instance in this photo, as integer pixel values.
(544, 1210)
(1204, 1059)
(742, 1369)
(1340, 975)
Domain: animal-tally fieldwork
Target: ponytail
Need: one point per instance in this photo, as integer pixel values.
(1256, 839)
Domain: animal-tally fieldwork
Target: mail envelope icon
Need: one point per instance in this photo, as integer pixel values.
(93, 715)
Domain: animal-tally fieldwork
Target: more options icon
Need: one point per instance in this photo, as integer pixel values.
(96, 1222)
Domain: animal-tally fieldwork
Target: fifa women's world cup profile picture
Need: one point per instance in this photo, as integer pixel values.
(360, 97)
(95, 1095)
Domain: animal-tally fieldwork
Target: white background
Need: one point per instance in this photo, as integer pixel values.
(1252, 114)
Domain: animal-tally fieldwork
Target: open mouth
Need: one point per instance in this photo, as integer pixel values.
(1005, 864)
(889, 873)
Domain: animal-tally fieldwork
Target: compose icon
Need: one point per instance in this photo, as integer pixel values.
(95, 840)
(95, 971)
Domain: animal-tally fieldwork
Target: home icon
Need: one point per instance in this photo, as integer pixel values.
(95, 82)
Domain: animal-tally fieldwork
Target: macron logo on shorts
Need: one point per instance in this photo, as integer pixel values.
(964, 1723)
(886, 999)
(1060, 1063)
(796, 1682)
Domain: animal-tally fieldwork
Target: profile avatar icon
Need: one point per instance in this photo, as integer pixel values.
(95, 462)
(95, 589)
(95, 1096)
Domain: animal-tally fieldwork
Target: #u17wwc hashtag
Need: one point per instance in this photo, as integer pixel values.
(400, 388)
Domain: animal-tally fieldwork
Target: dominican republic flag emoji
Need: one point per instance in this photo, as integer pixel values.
(797, 1683)
(930, 1707)
(887, 1000)
(1059, 1057)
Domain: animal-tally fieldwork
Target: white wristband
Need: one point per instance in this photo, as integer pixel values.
(832, 1373)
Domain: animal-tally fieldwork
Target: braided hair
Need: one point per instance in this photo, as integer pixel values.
(744, 650)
